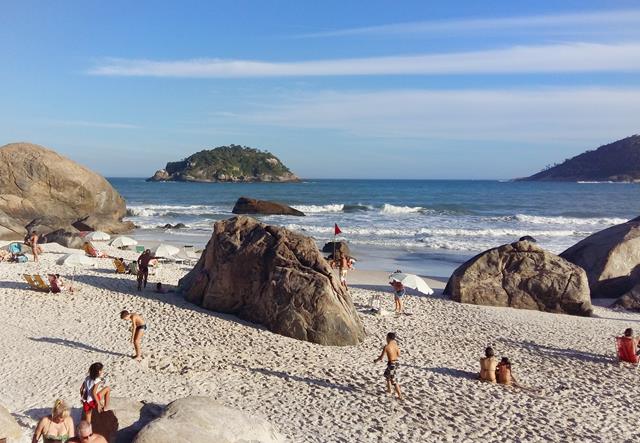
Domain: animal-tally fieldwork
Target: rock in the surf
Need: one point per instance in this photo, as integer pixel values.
(611, 258)
(203, 420)
(246, 205)
(275, 277)
(522, 275)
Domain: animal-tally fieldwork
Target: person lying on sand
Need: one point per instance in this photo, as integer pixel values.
(92, 251)
(86, 434)
(58, 285)
(392, 351)
(143, 268)
(138, 328)
(488, 365)
(55, 427)
(504, 375)
(160, 289)
(94, 392)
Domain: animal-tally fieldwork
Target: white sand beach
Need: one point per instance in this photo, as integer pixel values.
(577, 391)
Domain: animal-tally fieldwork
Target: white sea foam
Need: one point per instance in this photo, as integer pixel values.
(319, 209)
(545, 220)
(392, 209)
(161, 210)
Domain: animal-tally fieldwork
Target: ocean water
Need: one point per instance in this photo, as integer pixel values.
(423, 226)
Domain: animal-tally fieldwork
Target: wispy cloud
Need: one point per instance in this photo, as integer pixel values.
(548, 115)
(570, 57)
(90, 124)
(586, 22)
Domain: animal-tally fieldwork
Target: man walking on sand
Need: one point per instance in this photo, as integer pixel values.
(143, 268)
(33, 242)
(392, 351)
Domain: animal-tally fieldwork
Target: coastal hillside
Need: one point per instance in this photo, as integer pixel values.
(232, 163)
(618, 161)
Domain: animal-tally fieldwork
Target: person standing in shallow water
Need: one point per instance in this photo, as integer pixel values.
(392, 351)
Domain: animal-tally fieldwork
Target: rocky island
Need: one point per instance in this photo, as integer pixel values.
(232, 163)
(616, 162)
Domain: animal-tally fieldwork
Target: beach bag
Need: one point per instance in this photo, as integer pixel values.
(15, 248)
(21, 258)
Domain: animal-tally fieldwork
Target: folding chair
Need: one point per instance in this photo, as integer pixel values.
(120, 268)
(34, 284)
(41, 284)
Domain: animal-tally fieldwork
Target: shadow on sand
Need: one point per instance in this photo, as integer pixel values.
(553, 352)
(75, 345)
(297, 378)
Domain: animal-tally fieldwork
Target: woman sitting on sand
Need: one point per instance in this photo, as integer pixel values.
(56, 427)
(503, 373)
(94, 392)
(488, 365)
(58, 285)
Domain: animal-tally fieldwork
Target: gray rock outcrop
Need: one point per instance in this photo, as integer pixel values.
(629, 301)
(274, 277)
(611, 259)
(124, 419)
(246, 205)
(9, 428)
(41, 188)
(203, 420)
(522, 275)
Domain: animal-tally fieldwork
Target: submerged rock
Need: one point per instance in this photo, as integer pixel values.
(275, 277)
(611, 259)
(522, 275)
(246, 205)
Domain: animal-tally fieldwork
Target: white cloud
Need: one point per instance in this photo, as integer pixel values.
(569, 57)
(522, 116)
(90, 124)
(581, 22)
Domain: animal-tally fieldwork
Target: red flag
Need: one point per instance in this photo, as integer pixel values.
(336, 230)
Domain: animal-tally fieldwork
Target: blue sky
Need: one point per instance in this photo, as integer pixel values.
(359, 89)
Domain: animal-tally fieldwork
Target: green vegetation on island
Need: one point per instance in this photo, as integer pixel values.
(232, 163)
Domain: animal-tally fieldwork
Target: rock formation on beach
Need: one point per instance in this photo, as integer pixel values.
(227, 164)
(9, 428)
(203, 420)
(629, 301)
(611, 258)
(522, 275)
(48, 192)
(124, 419)
(274, 277)
(246, 205)
(341, 248)
(618, 162)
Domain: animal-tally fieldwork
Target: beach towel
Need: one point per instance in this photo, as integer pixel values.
(626, 349)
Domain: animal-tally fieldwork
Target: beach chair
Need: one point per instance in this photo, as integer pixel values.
(34, 284)
(91, 251)
(120, 267)
(41, 284)
(626, 351)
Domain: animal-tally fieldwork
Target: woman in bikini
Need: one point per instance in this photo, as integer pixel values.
(56, 427)
(94, 392)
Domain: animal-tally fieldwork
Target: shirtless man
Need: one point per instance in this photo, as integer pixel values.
(343, 265)
(392, 351)
(33, 242)
(86, 434)
(488, 365)
(143, 268)
(138, 327)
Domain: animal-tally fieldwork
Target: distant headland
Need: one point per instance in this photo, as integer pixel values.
(226, 164)
(616, 162)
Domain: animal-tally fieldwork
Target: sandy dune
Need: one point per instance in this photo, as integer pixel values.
(314, 393)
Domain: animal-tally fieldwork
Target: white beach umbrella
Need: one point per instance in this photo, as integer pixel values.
(123, 242)
(412, 281)
(97, 236)
(73, 260)
(164, 250)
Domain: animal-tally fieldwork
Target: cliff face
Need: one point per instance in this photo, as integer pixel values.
(617, 161)
(227, 164)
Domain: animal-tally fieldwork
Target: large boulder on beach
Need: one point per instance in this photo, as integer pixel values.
(275, 277)
(203, 420)
(611, 258)
(340, 248)
(629, 301)
(9, 428)
(124, 419)
(43, 188)
(246, 205)
(522, 275)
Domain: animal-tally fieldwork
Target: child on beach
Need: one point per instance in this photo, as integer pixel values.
(138, 327)
(392, 351)
(94, 392)
(399, 292)
(488, 366)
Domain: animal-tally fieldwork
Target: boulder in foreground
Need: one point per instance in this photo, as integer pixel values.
(246, 205)
(522, 275)
(124, 419)
(629, 301)
(203, 420)
(41, 187)
(611, 258)
(9, 428)
(274, 277)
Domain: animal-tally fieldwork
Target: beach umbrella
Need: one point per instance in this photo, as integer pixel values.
(164, 250)
(123, 242)
(73, 260)
(97, 236)
(411, 281)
